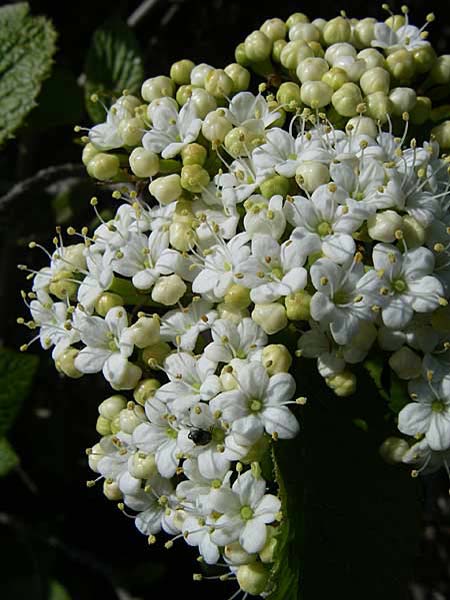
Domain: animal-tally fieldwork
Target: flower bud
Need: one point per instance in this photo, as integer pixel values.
(181, 70)
(238, 296)
(288, 95)
(239, 140)
(131, 131)
(375, 80)
(346, 99)
(268, 553)
(62, 286)
(316, 94)
(106, 301)
(403, 99)
(317, 49)
(393, 449)
(363, 126)
(166, 189)
(293, 53)
(199, 73)
(156, 353)
(354, 67)
(194, 154)
(335, 78)
(252, 578)
(168, 290)
(405, 363)
(276, 359)
(131, 417)
(142, 466)
(145, 390)
(319, 23)
(337, 30)
(66, 363)
(103, 166)
(421, 111)
(89, 151)
(382, 226)
(400, 65)
(424, 58)
(232, 312)
(103, 426)
(203, 102)
(441, 134)
(123, 375)
(184, 93)
(144, 163)
(111, 490)
(440, 72)
(94, 457)
(378, 106)
(304, 31)
(144, 332)
(271, 317)
(338, 50)
(241, 56)
(297, 306)
(181, 236)
(310, 174)
(239, 75)
(372, 57)
(343, 384)
(277, 47)
(257, 46)
(274, 29)
(218, 84)
(395, 22)
(112, 406)
(129, 103)
(194, 178)
(413, 232)
(364, 32)
(216, 126)
(157, 87)
(237, 555)
(312, 69)
(275, 185)
(296, 18)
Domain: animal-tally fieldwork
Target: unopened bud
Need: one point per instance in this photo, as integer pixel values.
(252, 578)
(293, 53)
(168, 290)
(298, 306)
(375, 80)
(166, 189)
(103, 166)
(337, 30)
(400, 65)
(180, 71)
(307, 32)
(271, 317)
(288, 95)
(310, 174)
(406, 363)
(157, 87)
(343, 384)
(403, 100)
(276, 358)
(312, 69)
(393, 449)
(257, 46)
(239, 75)
(216, 126)
(346, 99)
(382, 226)
(218, 84)
(144, 163)
(112, 406)
(378, 106)
(145, 390)
(316, 94)
(441, 134)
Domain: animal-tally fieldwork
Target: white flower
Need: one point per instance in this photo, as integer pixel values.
(245, 108)
(196, 533)
(246, 510)
(426, 459)
(264, 217)
(429, 414)
(243, 340)
(407, 36)
(55, 327)
(152, 506)
(182, 327)
(98, 280)
(106, 136)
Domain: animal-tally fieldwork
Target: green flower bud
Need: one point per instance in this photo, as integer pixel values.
(129, 102)
(378, 106)
(337, 30)
(343, 384)
(271, 317)
(157, 87)
(424, 58)
(440, 320)
(144, 163)
(66, 363)
(405, 363)
(103, 426)
(106, 301)
(364, 32)
(238, 296)
(395, 22)
(241, 56)
(297, 306)
(277, 47)
(232, 312)
(276, 358)
(218, 84)
(296, 18)
(156, 353)
(111, 490)
(145, 390)
(288, 95)
(413, 232)
(268, 553)
(319, 23)
(143, 466)
(240, 140)
(338, 51)
(194, 154)
(316, 94)
(335, 78)
(115, 424)
(275, 185)
(240, 77)
(382, 226)
(274, 29)
(216, 126)
(184, 93)
(61, 285)
(168, 290)
(181, 236)
(112, 406)
(393, 449)
(103, 166)
(131, 417)
(440, 72)
(310, 174)
(183, 212)
(346, 99)
(312, 69)
(372, 57)
(144, 332)
(362, 126)
(237, 555)
(317, 49)
(403, 99)
(180, 71)
(131, 131)
(203, 102)
(89, 151)
(194, 178)
(441, 134)
(293, 53)
(421, 111)
(252, 578)
(94, 457)
(304, 31)
(199, 74)
(257, 46)
(375, 80)
(166, 189)
(400, 65)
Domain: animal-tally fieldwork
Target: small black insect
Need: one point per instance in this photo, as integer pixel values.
(200, 437)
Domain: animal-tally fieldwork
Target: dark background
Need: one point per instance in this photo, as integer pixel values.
(51, 525)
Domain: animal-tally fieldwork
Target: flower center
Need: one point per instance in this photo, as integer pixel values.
(241, 354)
(246, 513)
(218, 435)
(277, 272)
(171, 433)
(340, 297)
(438, 406)
(113, 346)
(324, 229)
(399, 285)
(255, 405)
(226, 266)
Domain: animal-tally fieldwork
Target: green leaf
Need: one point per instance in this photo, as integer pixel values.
(374, 366)
(113, 64)
(57, 591)
(8, 457)
(16, 375)
(398, 397)
(27, 45)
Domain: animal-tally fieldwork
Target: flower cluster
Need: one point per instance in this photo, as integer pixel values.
(245, 215)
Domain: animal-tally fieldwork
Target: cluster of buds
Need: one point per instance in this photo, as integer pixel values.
(245, 216)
